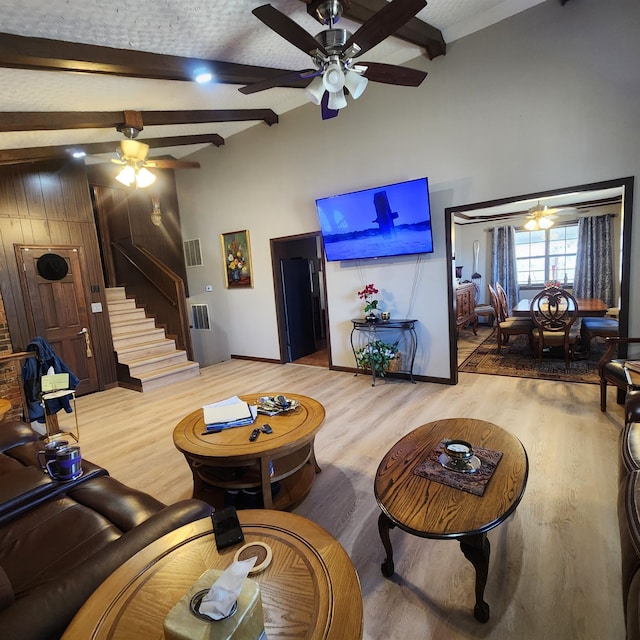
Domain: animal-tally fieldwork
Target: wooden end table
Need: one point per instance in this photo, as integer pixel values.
(310, 589)
(228, 461)
(429, 509)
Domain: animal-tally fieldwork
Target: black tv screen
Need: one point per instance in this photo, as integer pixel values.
(392, 220)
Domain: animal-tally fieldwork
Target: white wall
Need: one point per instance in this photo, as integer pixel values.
(546, 99)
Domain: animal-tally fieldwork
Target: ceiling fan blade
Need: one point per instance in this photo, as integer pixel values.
(159, 163)
(288, 29)
(392, 74)
(384, 23)
(292, 79)
(327, 113)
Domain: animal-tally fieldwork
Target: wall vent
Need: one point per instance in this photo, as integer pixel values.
(192, 254)
(200, 315)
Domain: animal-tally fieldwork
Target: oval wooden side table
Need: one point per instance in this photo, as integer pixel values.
(429, 509)
(229, 461)
(309, 590)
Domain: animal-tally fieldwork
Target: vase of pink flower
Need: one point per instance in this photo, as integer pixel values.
(371, 303)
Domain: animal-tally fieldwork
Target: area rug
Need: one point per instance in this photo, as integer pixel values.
(515, 360)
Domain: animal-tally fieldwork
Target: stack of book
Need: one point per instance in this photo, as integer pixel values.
(228, 413)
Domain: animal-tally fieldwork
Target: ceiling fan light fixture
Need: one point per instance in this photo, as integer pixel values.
(315, 90)
(333, 78)
(130, 175)
(355, 83)
(545, 223)
(531, 225)
(144, 178)
(126, 175)
(337, 100)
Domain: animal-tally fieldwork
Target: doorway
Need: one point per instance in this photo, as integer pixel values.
(300, 297)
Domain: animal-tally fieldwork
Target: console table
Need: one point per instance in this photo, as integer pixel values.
(365, 333)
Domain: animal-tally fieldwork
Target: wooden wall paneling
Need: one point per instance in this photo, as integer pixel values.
(12, 234)
(8, 204)
(76, 193)
(32, 185)
(52, 194)
(102, 341)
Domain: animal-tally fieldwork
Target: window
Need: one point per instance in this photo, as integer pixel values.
(546, 255)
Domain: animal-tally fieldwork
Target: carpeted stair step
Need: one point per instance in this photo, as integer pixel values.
(155, 362)
(130, 326)
(168, 375)
(146, 349)
(137, 338)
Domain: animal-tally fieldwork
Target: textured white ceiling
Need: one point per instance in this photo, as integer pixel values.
(222, 30)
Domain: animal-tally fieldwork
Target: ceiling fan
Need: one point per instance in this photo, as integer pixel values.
(333, 52)
(132, 155)
(540, 217)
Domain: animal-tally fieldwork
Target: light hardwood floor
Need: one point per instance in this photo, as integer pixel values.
(554, 571)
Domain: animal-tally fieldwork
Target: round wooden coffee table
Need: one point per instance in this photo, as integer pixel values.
(228, 461)
(429, 509)
(309, 590)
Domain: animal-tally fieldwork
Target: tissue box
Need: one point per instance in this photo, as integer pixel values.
(247, 623)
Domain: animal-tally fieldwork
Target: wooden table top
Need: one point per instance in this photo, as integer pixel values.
(432, 510)
(5, 405)
(586, 307)
(290, 430)
(310, 589)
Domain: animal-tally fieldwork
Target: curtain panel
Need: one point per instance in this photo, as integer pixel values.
(594, 259)
(503, 261)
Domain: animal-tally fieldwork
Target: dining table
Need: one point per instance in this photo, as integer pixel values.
(586, 307)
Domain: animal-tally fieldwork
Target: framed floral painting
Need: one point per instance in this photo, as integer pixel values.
(237, 259)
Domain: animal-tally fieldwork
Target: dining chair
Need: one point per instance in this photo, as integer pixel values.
(611, 369)
(508, 326)
(553, 313)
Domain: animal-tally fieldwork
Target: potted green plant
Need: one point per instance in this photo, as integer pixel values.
(377, 355)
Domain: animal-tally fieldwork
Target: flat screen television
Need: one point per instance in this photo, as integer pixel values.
(391, 220)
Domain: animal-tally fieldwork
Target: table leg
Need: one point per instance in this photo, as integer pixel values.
(265, 478)
(313, 460)
(476, 550)
(384, 525)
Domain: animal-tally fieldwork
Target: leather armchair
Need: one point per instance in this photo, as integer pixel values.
(611, 370)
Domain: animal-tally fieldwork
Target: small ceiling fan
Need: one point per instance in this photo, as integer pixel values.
(540, 217)
(333, 52)
(132, 155)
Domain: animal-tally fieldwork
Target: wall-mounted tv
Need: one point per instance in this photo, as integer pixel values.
(392, 220)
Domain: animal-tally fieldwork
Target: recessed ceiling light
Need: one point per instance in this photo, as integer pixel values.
(202, 75)
(78, 153)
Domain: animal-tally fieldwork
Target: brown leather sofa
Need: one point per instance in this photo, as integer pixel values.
(59, 541)
(629, 521)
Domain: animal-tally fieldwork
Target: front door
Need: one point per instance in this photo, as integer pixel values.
(57, 308)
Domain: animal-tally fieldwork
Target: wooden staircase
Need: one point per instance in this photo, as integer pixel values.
(147, 359)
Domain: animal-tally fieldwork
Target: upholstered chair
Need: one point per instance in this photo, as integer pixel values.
(611, 370)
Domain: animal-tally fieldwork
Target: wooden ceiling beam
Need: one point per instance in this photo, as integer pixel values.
(23, 52)
(56, 120)
(32, 154)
